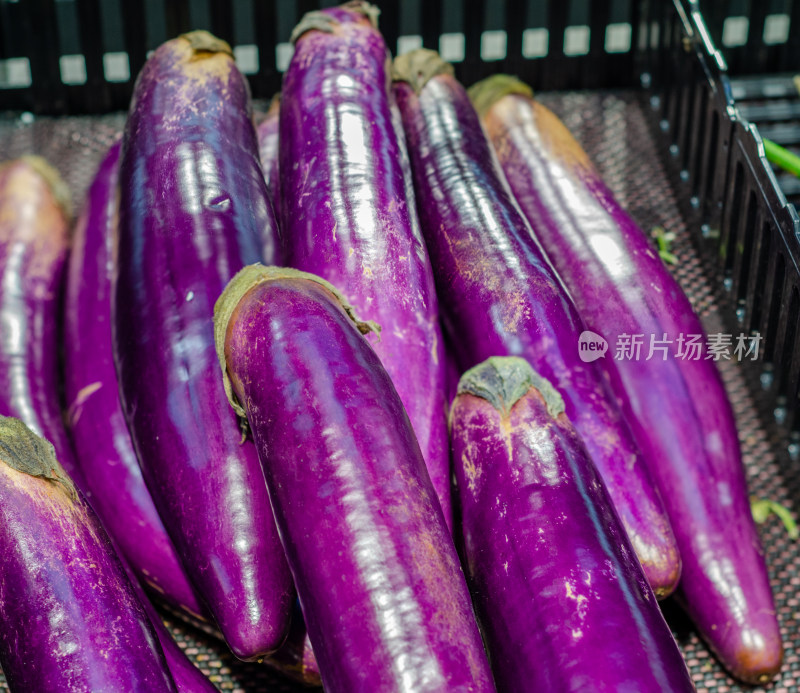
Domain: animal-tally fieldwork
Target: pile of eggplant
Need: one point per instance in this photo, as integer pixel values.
(315, 388)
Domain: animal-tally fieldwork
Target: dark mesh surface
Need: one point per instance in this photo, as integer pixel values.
(614, 129)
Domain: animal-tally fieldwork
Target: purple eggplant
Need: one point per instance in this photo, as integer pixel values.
(500, 296)
(296, 658)
(385, 600)
(267, 132)
(452, 372)
(100, 435)
(677, 406)
(193, 208)
(34, 236)
(347, 214)
(188, 678)
(564, 603)
(69, 619)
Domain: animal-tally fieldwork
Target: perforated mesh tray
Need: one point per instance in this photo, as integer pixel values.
(616, 130)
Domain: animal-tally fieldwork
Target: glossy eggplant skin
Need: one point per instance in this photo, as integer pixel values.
(192, 201)
(99, 433)
(34, 238)
(574, 618)
(501, 297)
(267, 132)
(347, 214)
(384, 597)
(187, 677)
(69, 619)
(678, 407)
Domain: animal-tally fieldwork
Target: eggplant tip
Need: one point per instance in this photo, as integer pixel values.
(757, 657)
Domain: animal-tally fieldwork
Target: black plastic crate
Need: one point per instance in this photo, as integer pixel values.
(81, 56)
(742, 206)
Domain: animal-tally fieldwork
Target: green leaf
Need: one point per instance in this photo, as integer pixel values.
(664, 239)
(781, 157)
(762, 508)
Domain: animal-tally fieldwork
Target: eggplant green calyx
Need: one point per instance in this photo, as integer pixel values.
(317, 20)
(250, 277)
(762, 508)
(489, 91)
(24, 451)
(504, 380)
(203, 41)
(418, 67)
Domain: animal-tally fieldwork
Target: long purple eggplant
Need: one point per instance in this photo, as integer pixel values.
(564, 603)
(677, 406)
(500, 296)
(346, 212)
(34, 236)
(69, 619)
(100, 435)
(267, 132)
(193, 210)
(187, 677)
(385, 600)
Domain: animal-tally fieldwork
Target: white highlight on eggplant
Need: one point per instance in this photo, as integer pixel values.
(714, 443)
(14, 335)
(724, 494)
(236, 501)
(541, 467)
(189, 185)
(351, 163)
(560, 184)
(13, 329)
(56, 616)
(610, 254)
(200, 189)
(396, 612)
(722, 574)
(67, 648)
